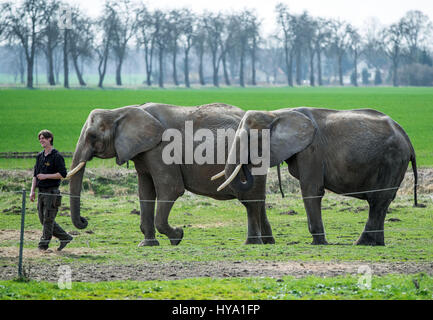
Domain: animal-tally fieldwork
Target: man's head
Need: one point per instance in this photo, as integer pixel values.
(44, 136)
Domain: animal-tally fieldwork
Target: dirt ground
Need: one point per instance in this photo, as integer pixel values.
(49, 271)
(216, 269)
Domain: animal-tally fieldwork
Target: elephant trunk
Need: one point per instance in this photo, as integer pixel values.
(236, 183)
(75, 186)
(238, 155)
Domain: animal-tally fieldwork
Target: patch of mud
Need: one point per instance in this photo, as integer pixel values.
(14, 235)
(146, 271)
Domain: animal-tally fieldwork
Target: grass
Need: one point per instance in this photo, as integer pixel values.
(214, 230)
(395, 287)
(65, 111)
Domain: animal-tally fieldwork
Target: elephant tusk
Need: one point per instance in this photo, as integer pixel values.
(230, 179)
(217, 176)
(75, 170)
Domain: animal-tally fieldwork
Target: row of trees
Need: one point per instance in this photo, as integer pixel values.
(229, 45)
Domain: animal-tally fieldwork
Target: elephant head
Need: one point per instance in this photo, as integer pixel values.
(289, 132)
(122, 133)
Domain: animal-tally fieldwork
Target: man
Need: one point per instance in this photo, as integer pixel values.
(48, 171)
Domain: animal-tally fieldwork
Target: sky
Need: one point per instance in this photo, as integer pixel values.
(354, 11)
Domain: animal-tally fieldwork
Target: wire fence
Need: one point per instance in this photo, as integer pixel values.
(194, 242)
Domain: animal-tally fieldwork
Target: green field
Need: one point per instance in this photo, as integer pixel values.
(214, 230)
(24, 112)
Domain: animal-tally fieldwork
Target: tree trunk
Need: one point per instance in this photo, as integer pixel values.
(394, 72)
(319, 68)
(176, 82)
(355, 82)
(51, 80)
(215, 69)
(119, 71)
(65, 60)
(298, 67)
(30, 73)
(241, 67)
(77, 71)
(289, 65)
(186, 68)
(340, 69)
(200, 68)
(253, 64)
(312, 79)
(148, 57)
(226, 74)
(102, 68)
(161, 69)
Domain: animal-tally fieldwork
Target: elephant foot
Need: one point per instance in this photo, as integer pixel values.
(177, 236)
(369, 239)
(268, 240)
(148, 243)
(254, 240)
(319, 241)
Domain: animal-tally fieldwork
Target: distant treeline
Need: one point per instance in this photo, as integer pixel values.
(181, 47)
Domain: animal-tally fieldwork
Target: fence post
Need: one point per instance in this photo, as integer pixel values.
(23, 214)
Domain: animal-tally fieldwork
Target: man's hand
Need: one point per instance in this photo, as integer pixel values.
(42, 176)
(32, 196)
(45, 176)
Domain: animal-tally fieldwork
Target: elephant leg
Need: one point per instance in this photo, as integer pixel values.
(373, 234)
(312, 188)
(162, 212)
(313, 206)
(146, 191)
(254, 222)
(266, 229)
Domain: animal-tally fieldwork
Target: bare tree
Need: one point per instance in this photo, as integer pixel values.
(81, 41)
(254, 37)
(199, 41)
(175, 25)
(214, 26)
(308, 33)
(247, 35)
(146, 36)
(416, 27)
(65, 11)
(373, 50)
(392, 41)
(355, 47)
(285, 21)
(105, 26)
(124, 23)
(161, 39)
(340, 43)
(51, 37)
(189, 29)
(25, 23)
(321, 42)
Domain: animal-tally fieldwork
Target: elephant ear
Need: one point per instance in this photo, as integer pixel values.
(290, 134)
(136, 131)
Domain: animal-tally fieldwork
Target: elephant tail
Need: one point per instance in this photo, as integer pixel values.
(279, 179)
(415, 176)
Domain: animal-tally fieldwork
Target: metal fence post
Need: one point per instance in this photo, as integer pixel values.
(23, 214)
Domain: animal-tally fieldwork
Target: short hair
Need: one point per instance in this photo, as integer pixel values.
(47, 134)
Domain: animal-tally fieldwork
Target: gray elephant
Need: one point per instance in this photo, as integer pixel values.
(358, 153)
(136, 133)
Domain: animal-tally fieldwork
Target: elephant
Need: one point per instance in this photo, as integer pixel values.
(358, 153)
(136, 133)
